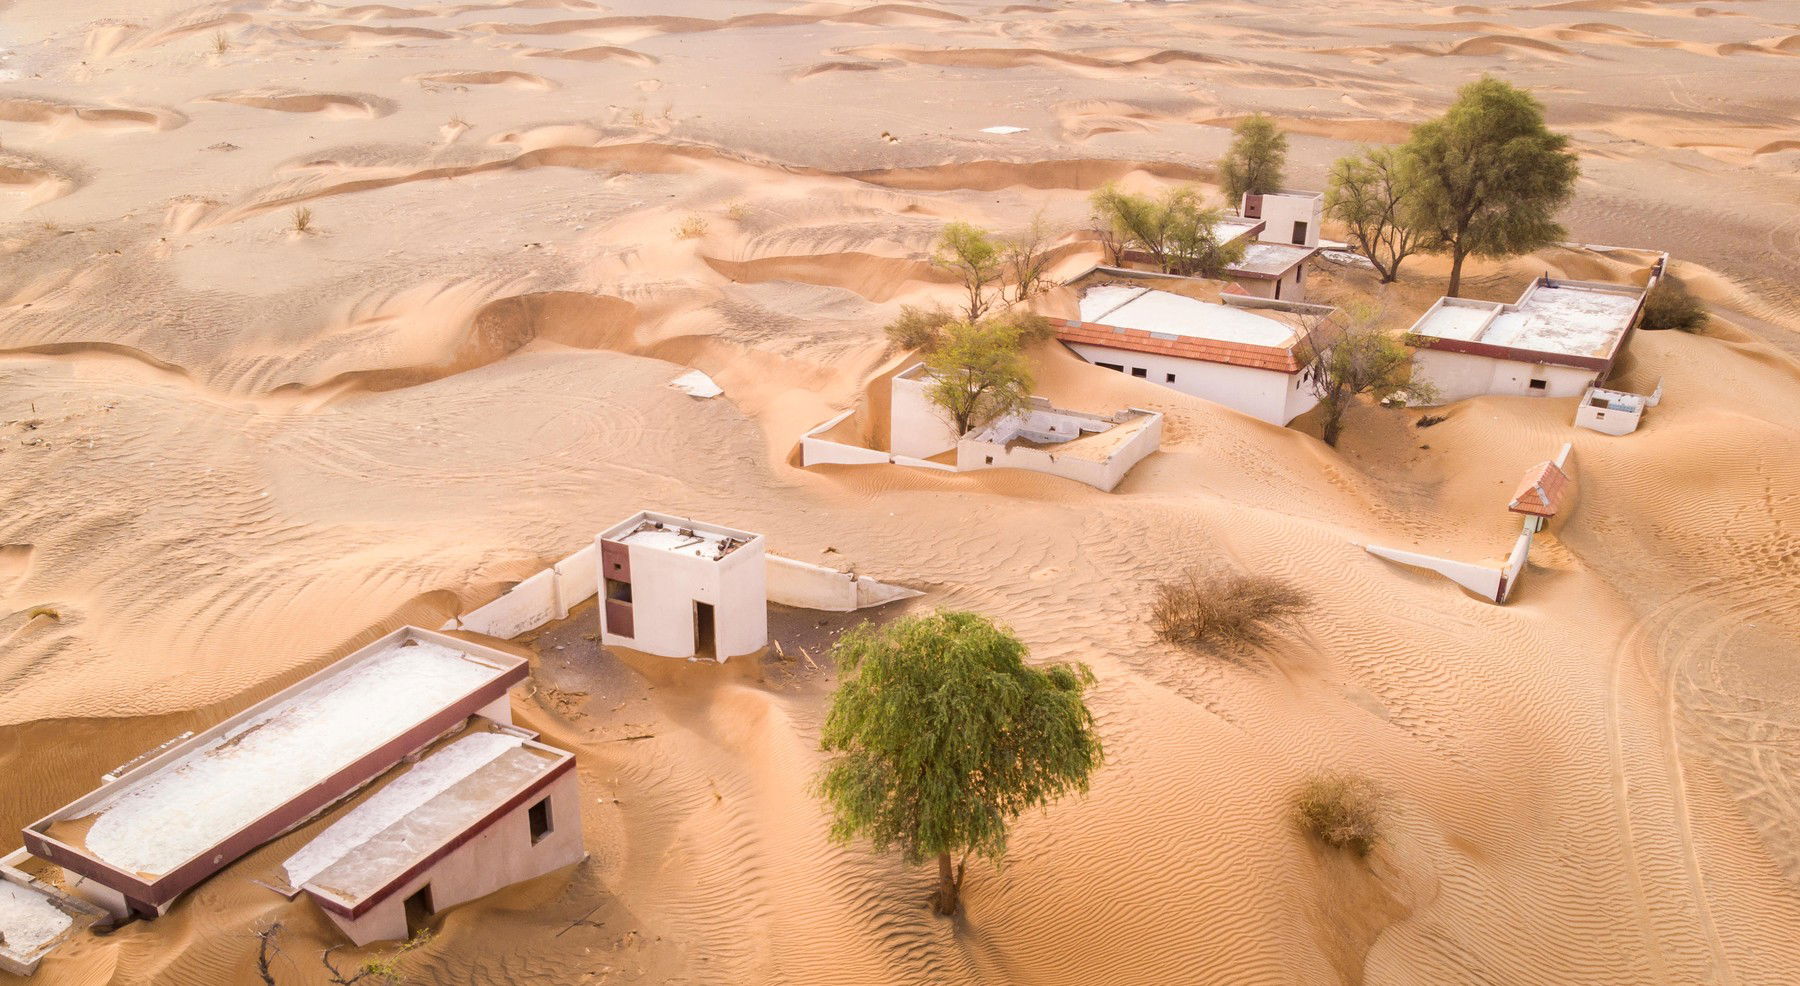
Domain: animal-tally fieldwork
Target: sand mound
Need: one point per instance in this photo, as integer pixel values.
(67, 118)
(1505, 44)
(335, 104)
(27, 182)
(826, 68)
(518, 80)
(596, 53)
(356, 34)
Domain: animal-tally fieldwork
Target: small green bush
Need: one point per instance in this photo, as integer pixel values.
(1341, 810)
(918, 328)
(1670, 306)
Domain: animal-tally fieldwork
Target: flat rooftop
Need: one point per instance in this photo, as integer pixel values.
(294, 754)
(31, 924)
(1566, 318)
(678, 535)
(1163, 314)
(1270, 260)
(445, 797)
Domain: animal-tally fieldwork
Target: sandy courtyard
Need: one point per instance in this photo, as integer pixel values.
(232, 449)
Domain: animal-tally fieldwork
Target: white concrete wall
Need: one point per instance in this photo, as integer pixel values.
(1293, 286)
(1280, 212)
(577, 578)
(1258, 393)
(816, 451)
(499, 857)
(1459, 376)
(1301, 397)
(916, 428)
(530, 604)
(972, 455)
(1606, 420)
(666, 585)
(1483, 580)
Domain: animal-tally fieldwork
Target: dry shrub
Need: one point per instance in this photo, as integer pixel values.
(1224, 609)
(302, 219)
(1670, 306)
(691, 228)
(1341, 810)
(918, 328)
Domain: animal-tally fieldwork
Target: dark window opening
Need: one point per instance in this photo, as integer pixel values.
(1138, 371)
(1277, 290)
(990, 460)
(539, 816)
(618, 591)
(1111, 366)
(1540, 384)
(1300, 233)
(418, 912)
(1168, 378)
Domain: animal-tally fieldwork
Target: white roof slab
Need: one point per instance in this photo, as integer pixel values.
(1160, 312)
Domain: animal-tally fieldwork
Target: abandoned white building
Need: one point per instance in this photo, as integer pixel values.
(482, 810)
(1271, 270)
(1287, 217)
(674, 587)
(1545, 492)
(1614, 412)
(1095, 449)
(182, 813)
(1254, 360)
(1559, 339)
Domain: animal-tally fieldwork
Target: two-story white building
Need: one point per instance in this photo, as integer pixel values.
(675, 587)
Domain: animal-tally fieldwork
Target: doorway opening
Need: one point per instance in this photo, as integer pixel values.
(418, 912)
(704, 630)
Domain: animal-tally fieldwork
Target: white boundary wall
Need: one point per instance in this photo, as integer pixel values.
(550, 594)
(972, 456)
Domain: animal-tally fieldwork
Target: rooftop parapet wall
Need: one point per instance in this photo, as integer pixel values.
(205, 802)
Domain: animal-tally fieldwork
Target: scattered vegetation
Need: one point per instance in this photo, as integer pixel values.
(1341, 810)
(1360, 358)
(302, 219)
(1371, 193)
(738, 212)
(1254, 163)
(50, 611)
(220, 43)
(1179, 234)
(1487, 178)
(383, 970)
(918, 328)
(941, 735)
(1025, 261)
(1669, 305)
(691, 228)
(971, 254)
(978, 371)
(1226, 610)
(1427, 420)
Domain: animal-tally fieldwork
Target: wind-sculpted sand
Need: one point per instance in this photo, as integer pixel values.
(316, 320)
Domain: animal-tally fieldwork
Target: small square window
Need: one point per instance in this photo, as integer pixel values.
(1168, 378)
(990, 460)
(539, 816)
(1540, 384)
(1138, 371)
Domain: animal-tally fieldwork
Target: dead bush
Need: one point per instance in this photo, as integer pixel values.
(1341, 810)
(1224, 609)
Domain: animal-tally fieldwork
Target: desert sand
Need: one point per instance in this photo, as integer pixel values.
(232, 450)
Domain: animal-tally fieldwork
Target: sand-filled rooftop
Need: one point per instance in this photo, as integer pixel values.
(1164, 314)
(154, 820)
(1566, 319)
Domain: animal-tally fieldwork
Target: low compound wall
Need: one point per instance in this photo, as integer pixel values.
(1104, 475)
(550, 594)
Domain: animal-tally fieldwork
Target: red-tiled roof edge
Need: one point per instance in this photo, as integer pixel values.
(1289, 359)
(1541, 492)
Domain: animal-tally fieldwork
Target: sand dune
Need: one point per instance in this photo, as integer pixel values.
(518, 80)
(71, 118)
(596, 53)
(26, 182)
(347, 105)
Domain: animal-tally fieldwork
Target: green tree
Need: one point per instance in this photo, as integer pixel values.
(978, 372)
(918, 328)
(1254, 163)
(1370, 193)
(1179, 234)
(1670, 306)
(941, 735)
(970, 254)
(1026, 260)
(1488, 178)
(1360, 357)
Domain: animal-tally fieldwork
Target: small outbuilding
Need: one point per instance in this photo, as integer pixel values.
(484, 809)
(675, 587)
(1287, 216)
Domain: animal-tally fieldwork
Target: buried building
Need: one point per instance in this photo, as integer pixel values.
(678, 588)
(1257, 360)
(1558, 340)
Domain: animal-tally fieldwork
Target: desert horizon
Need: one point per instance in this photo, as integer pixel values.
(319, 321)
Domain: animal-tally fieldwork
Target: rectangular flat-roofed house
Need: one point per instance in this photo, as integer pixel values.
(182, 815)
(35, 917)
(1557, 340)
(1287, 217)
(1255, 361)
(1276, 271)
(676, 587)
(484, 809)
